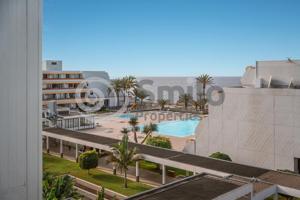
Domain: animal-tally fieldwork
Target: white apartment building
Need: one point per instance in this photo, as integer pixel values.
(61, 87)
(258, 123)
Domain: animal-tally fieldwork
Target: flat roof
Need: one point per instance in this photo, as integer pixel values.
(200, 187)
(274, 177)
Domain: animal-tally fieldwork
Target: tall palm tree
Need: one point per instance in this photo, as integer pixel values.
(148, 129)
(122, 156)
(204, 79)
(133, 122)
(162, 103)
(117, 86)
(185, 98)
(128, 83)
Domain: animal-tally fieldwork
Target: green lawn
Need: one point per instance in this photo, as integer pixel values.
(153, 167)
(59, 166)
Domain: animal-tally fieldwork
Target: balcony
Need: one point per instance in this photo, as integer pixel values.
(63, 90)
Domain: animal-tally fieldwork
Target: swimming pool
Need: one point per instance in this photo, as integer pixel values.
(179, 128)
(126, 115)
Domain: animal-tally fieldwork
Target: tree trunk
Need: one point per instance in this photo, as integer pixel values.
(135, 137)
(124, 96)
(118, 100)
(203, 92)
(146, 138)
(125, 179)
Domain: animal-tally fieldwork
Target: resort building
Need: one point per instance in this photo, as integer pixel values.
(258, 123)
(61, 87)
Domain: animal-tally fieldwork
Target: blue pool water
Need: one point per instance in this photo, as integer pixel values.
(180, 128)
(126, 116)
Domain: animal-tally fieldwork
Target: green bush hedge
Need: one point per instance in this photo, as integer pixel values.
(88, 160)
(221, 156)
(159, 141)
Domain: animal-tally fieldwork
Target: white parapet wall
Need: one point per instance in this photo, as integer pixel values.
(258, 127)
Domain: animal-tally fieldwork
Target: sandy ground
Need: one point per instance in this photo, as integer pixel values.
(110, 125)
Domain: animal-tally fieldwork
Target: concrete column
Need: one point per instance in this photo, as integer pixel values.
(187, 173)
(114, 170)
(47, 144)
(76, 152)
(137, 171)
(61, 151)
(163, 167)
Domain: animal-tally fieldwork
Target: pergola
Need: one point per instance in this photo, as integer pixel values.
(265, 182)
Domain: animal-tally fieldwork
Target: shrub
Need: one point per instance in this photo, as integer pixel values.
(88, 160)
(159, 141)
(221, 156)
(60, 187)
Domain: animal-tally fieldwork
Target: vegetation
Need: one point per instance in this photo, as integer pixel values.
(128, 83)
(125, 131)
(133, 122)
(148, 130)
(221, 156)
(204, 80)
(58, 187)
(88, 160)
(142, 95)
(101, 194)
(122, 156)
(117, 86)
(59, 166)
(162, 103)
(159, 141)
(185, 99)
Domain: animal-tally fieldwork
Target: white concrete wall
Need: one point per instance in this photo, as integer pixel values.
(20, 93)
(258, 127)
(281, 71)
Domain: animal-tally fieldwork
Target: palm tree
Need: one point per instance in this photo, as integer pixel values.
(204, 79)
(135, 92)
(142, 95)
(185, 98)
(117, 86)
(134, 124)
(128, 83)
(122, 156)
(148, 129)
(125, 131)
(202, 103)
(196, 104)
(162, 103)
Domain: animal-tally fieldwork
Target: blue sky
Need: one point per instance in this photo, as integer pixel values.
(170, 37)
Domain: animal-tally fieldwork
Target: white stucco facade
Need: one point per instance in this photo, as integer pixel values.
(258, 127)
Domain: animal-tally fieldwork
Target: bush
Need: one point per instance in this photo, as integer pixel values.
(60, 187)
(88, 160)
(221, 156)
(159, 141)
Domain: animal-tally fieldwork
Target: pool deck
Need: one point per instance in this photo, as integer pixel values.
(111, 126)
